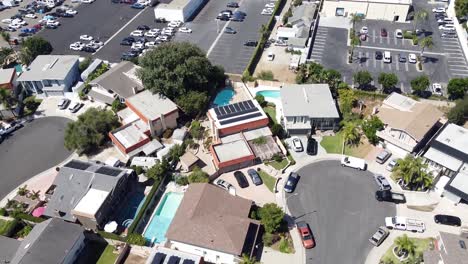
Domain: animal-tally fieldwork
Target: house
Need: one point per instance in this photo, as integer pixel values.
(188, 161)
(307, 107)
(8, 78)
(232, 155)
(120, 82)
(448, 151)
(51, 75)
(213, 224)
(161, 254)
(390, 10)
(87, 193)
(449, 249)
(456, 189)
(411, 133)
(297, 31)
(51, 242)
(147, 115)
(178, 10)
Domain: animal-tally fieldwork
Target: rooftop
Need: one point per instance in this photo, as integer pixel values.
(450, 253)
(131, 134)
(167, 253)
(455, 137)
(6, 74)
(49, 67)
(402, 2)
(232, 150)
(91, 202)
(210, 217)
(237, 113)
(150, 105)
(312, 100)
(458, 184)
(175, 4)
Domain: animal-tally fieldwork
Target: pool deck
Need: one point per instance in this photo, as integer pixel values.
(171, 187)
(268, 86)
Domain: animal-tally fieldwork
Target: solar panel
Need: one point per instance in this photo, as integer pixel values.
(188, 261)
(159, 258)
(236, 106)
(231, 107)
(251, 104)
(226, 109)
(74, 164)
(108, 171)
(217, 112)
(241, 105)
(240, 118)
(173, 260)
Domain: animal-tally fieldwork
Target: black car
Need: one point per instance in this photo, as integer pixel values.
(233, 5)
(129, 55)
(88, 49)
(250, 43)
(240, 13)
(237, 18)
(223, 17)
(24, 34)
(389, 196)
(66, 15)
(241, 179)
(291, 183)
(447, 220)
(255, 177)
(401, 58)
(311, 146)
(143, 27)
(378, 55)
(49, 26)
(126, 43)
(160, 20)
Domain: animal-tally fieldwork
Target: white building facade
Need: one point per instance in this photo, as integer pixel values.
(391, 10)
(180, 10)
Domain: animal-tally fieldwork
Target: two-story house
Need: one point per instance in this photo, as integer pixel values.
(408, 124)
(51, 75)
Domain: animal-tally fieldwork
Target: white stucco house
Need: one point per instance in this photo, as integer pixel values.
(390, 10)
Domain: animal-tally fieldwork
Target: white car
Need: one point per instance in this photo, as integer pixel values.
(437, 89)
(364, 30)
(297, 144)
(267, 12)
(150, 44)
(173, 24)
(15, 26)
(97, 43)
(144, 2)
(185, 30)
(86, 37)
(398, 33)
(137, 33)
(87, 1)
(270, 5)
(33, 16)
(352, 162)
(438, 10)
(226, 186)
(53, 23)
(391, 164)
(77, 46)
(92, 45)
(448, 27)
(387, 57)
(164, 38)
(19, 21)
(412, 58)
(71, 12)
(7, 21)
(151, 34)
(138, 46)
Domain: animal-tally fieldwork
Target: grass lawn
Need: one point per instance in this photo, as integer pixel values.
(334, 144)
(107, 257)
(278, 165)
(422, 244)
(271, 112)
(268, 180)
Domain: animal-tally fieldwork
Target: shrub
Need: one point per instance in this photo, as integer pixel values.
(84, 64)
(271, 216)
(198, 175)
(149, 197)
(277, 130)
(408, 34)
(277, 157)
(111, 236)
(261, 99)
(196, 129)
(266, 75)
(138, 169)
(260, 141)
(182, 180)
(9, 228)
(284, 245)
(415, 40)
(168, 133)
(136, 239)
(27, 217)
(3, 211)
(117, 105)
(25, 231)
(267, 239)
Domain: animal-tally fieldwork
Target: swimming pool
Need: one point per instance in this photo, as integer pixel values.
(273, 94)
(162, 218)
(224, 96)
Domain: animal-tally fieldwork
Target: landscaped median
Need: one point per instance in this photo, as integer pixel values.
(412, 248)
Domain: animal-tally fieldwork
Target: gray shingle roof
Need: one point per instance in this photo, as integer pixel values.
(73, 182)
(312, 100)
(49, 67)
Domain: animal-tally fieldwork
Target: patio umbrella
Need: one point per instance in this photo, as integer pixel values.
(111, 227)
(38, 211)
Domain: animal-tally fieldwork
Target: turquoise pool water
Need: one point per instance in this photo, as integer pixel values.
(162, 218)
(273, 94)
(18, 68)
(224, 96)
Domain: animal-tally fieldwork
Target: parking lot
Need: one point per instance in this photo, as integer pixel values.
(441, 62)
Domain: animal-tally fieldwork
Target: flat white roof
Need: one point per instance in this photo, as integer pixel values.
(400, 102)
(150, 105)
(175, 4)
(91, 202)
(131, 134)
(443, 159)
(401, 2)
(460, 182)
(455, 137)
(232, 150)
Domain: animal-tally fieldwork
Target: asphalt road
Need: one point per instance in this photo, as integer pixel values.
(339, 205)
(32, 149)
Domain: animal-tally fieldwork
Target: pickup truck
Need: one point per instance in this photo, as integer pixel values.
(389, 196)
(405, 224)
(347, 161)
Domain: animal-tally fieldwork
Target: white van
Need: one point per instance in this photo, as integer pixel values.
(387, 57)
(352, 162)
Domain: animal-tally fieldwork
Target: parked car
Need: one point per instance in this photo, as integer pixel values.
(63, 103)
(412, 58)
(438, 10)
(437, 89)
(297, 144)
(387, 57)
(382, 182)
(250, 43)
(226, 186)
(401, 58)
(364, 30)
(312, 146)
(76, 46)
(398, 33)
(137, 6)
(8, 128)
(352, 162)
(447, 220)
(89, 49)
(389, 196)
(233, 4)
(305, 234)
(363, 37)
(383, 156)
(237, 18)
(241, 179)
(137, 33)
(71, 11)
(256, 179)
(270, 56)
(33, 16)
(86, 37)
(185, 30)
(267, 12)
(223, 17)
(48, 26)
(291, 183)
(143, 27)
(383, 33)
(75, 107)
(447, 27)
(378, 55)
(270, 5)
(229, 30)
(379, 236)
(391, 165)
(129, 55)
(405, 224)
(96, 43)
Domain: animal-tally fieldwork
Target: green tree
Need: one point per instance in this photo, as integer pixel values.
(370, 127)
(176, 152)
(387, 80)
(426, 42)
(25, 231)
(197, 175)
(90, 130)
(461, 8)
(98, 72)
(4, 53)
(193, 103)
(136, 239)
(31, 103)
(196, 129)
(246, 259)
(314, 72)
(420, 15)
(277, 130)
(420, 84)
(355, 18)
(332, 78)
(33, 47)
(5, 97)
(351, 133)
(362, 78)
(159, 170)
(405, 244)
(84, 64)
(459, 113)
(22, 191)
(457, 88)
(346, 98)
(173, 69)
(286, 16)
(261, 99)
(355, 41)
(297, 2)
(413, 172)
(271, 217)
(117, 105)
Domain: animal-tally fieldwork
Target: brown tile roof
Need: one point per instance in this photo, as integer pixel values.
(210, 217)
(416, 122)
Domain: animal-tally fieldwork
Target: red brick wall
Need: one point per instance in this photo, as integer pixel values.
(243, 127)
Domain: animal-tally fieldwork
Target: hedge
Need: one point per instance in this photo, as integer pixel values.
(9, 228)
(111, 236)
(249, 70)
(366, 94)
(28, 217)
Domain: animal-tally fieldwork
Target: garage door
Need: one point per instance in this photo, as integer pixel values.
(53, 93)
(397, 151)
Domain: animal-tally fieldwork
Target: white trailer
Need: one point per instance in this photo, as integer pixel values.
(405, 224)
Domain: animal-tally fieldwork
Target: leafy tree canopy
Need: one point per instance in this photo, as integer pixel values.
(459, 113)
(271, 216)
(362, 78)
(388, 80)
(420, 84)
(457, 88)
(198, 175)
(33, 47)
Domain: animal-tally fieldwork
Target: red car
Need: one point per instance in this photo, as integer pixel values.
(306, 234)
(383, 33)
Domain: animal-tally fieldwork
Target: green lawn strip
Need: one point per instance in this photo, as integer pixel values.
(108, 256)
(271, 112)
(268, 180)
(422, 244)
(332, 144)
(278, 165)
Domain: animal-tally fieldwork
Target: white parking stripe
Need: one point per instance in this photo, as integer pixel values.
(381, 64)
(400, 50)
(460, 70)
(367, 59)
(373, 35)
(395, 40)
(397, 63)
(460, 74)
(388, 40)
(406, 67)
(375, 62)
(390, 66)
(452, 48)
(458, 66)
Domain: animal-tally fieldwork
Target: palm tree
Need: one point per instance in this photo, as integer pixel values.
(423, 181)
(419, 16)
(354, 19)
(22, 191)
(351, 133)
(426, 42)
(35, 195)
(355, 41)
(405, 244)
(247, 260)
(413, 172)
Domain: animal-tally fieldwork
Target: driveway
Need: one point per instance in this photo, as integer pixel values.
(32, 149)
(339, 205)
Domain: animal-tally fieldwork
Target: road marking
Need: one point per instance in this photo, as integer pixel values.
(375, 62)
(388, 40)
(395, 40)
(122, 28)
(381, 64)
(460, 74)
(401, 50)
(390, 66)
(452, 49)
(462, 70)
(380, 40)
(373, 35)
(367, 59)
(397, 63)
(406, 67)
(402, 87)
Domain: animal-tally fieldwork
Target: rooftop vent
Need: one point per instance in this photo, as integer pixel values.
(53, 63)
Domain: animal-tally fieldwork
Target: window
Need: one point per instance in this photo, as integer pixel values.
(339, 11)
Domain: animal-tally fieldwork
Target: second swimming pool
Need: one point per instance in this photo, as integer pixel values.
(272, 94)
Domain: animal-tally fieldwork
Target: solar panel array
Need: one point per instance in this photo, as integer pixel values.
(74, 164)
(188, 261)
(108, 171)
(236, 112)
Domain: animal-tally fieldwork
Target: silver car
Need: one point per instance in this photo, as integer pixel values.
(382, 182)
(379, 236)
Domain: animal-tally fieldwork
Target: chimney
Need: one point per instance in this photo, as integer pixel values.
(135, 90)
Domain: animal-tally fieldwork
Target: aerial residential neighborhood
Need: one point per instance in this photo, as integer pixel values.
(234, 132)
